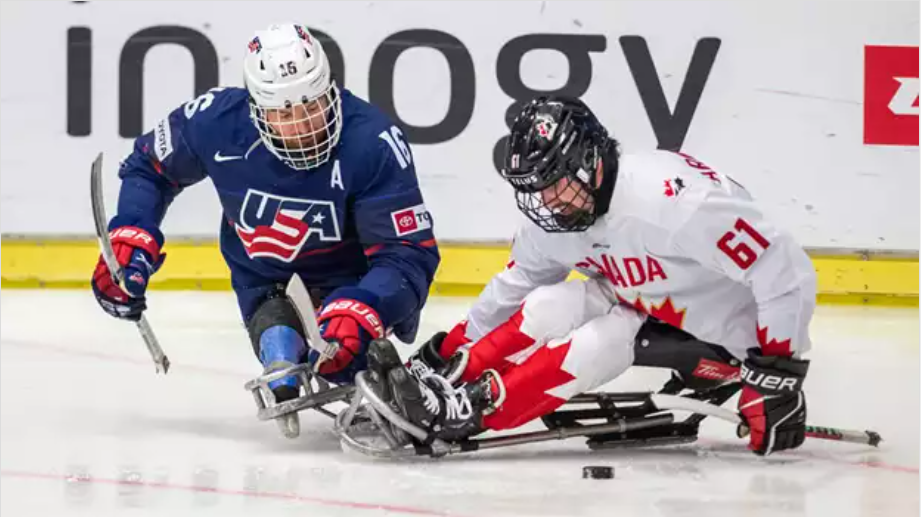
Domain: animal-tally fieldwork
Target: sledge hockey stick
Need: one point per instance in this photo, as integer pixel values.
(300, 298)
(825, 433)
(655, 415)
(118, 274)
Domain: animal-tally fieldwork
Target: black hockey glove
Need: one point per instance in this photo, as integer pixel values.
(773, 404)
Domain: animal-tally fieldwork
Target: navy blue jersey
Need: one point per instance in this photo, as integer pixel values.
(355, 227)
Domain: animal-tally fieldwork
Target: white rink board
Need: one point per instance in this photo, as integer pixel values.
(781, 110)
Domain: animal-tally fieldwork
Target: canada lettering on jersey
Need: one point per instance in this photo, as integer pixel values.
(660, 251)
(627, 271)
(278, 227)
(704, 169)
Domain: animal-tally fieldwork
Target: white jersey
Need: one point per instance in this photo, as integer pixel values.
(682, 243)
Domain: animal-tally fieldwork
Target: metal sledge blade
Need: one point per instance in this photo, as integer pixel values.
(317, 393)
(289, 425)
(118, 274)
(640, 443)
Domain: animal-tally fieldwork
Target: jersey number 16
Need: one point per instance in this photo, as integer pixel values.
(394, 139)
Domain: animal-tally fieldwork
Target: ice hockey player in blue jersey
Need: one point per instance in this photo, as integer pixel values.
(313, 181)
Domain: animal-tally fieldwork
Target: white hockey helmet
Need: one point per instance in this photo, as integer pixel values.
(294, 102)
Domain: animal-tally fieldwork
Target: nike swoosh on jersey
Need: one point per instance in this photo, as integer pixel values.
(220, 158)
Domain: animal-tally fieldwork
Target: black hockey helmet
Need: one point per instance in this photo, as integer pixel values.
(554, 155)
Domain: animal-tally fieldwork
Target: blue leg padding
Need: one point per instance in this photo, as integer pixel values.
(281, 343)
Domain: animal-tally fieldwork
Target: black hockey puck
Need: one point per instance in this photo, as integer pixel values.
(597, 472)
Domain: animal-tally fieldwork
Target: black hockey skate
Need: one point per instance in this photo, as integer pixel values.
(428, 360)
(428, 400)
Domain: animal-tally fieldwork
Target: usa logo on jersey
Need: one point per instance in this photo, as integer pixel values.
(278, 227)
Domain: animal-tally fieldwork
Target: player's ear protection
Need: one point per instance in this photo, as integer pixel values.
(590, 165)
(589, 158)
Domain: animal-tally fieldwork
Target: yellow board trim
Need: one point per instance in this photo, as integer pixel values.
(465, 269)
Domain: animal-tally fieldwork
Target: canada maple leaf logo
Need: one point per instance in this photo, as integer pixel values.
(666, 312)
(772, 346)
(636, 304)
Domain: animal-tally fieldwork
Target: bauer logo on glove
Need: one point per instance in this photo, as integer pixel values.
(352, 324)
(138, 253)
(770, 382)
(360, 310)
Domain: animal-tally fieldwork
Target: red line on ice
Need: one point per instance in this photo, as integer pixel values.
(222, 491)
(216, 371)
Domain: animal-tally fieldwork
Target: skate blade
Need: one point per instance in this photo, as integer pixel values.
(289, 425)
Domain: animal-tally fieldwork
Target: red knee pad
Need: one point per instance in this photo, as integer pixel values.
(491, 351)
(527, 386)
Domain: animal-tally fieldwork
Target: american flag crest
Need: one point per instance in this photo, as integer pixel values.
(137, 278)
(255, 45)
(302, 33)
(278, 227)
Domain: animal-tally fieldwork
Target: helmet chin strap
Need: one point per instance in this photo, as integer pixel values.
(576, 219)
(608, 170)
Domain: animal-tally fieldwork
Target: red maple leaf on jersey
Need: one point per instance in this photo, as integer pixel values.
(665, 312)
(772, 346)
(669, 191)
(636, 304)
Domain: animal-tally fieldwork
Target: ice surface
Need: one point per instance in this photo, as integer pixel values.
(88, 428)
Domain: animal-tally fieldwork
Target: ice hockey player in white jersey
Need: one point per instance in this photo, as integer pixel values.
(662, 238)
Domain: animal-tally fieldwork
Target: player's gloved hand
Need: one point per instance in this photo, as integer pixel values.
(454, 340)
(138, 252)
(773, 404)
(352, 324)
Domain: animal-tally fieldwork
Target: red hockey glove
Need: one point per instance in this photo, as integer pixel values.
(138, 252)
(353, 325)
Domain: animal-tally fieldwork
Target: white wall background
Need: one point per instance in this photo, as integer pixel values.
(782, 110)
